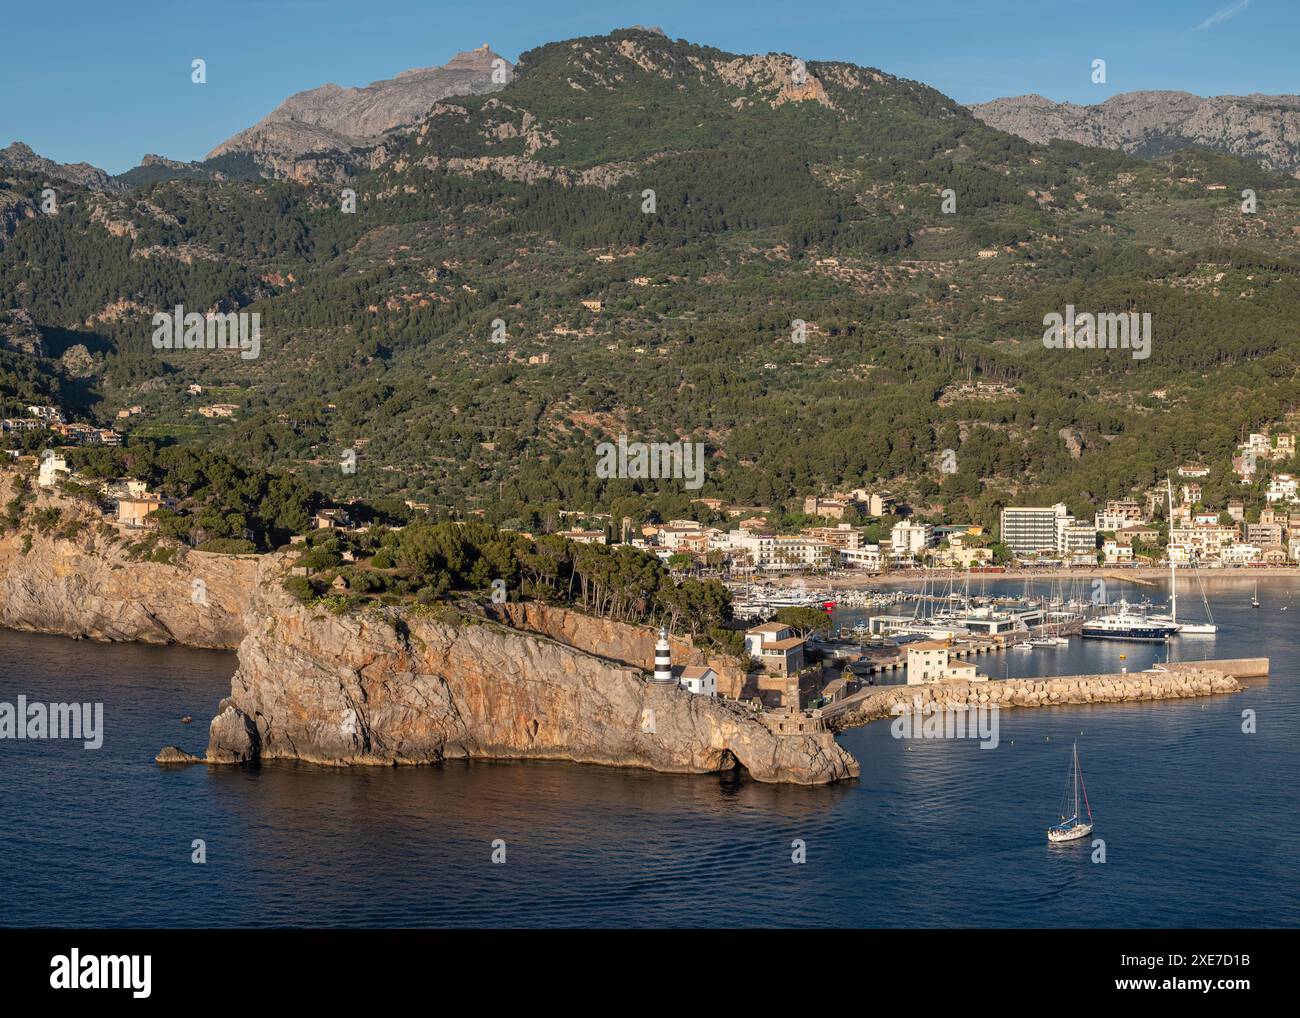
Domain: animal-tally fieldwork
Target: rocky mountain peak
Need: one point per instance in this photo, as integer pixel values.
(338, 119)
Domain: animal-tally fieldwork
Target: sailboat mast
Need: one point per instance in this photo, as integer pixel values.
(1173, 580)
(1076, 779)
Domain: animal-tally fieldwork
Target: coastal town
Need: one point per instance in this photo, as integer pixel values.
(847, 552)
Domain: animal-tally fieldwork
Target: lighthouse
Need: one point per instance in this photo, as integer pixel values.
(663, 658)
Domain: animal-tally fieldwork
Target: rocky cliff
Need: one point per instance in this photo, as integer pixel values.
(616, 641)
(82, 578)
(1261, 127)
(391, 687)
(384, 686)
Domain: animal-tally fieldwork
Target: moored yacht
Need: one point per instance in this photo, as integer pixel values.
(1126, 624)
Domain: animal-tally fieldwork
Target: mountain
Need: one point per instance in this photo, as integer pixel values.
(331, 120)
(20, 157)
(619, 242)
(1261, 127)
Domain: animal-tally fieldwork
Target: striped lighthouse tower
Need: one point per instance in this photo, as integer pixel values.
(663, 658)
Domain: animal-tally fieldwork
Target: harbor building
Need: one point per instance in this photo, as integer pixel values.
(930, 661)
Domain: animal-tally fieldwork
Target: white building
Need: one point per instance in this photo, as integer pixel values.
(52, 467)
(1240, 554)
(1030, 530)
(929, 661)
(867, 557)
(1116, 553)
(1076, 542)
(700, 679)
(673, 535)
(803, 553)
(49, 414)
(910, 538)
(1281, 488)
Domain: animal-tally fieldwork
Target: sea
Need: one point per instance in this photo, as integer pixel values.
(1195, 804)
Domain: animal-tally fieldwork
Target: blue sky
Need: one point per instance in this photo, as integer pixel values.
(108, 82)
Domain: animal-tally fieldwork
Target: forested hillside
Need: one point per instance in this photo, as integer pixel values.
(707, 201)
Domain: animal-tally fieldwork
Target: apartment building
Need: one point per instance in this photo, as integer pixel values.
(1031, 530)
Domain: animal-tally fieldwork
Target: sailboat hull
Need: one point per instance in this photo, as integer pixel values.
(1070, 833)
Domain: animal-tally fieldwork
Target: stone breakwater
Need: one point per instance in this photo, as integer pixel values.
(1183, 681)
(395, 687)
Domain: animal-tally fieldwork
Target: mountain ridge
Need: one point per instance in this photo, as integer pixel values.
(1265, 128)
(337, 119)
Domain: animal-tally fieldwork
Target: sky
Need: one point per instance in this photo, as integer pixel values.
(104, 83)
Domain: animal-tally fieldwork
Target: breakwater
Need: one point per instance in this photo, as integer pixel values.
(1201, 678)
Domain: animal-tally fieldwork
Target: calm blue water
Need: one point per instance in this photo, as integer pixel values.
(1198, 818)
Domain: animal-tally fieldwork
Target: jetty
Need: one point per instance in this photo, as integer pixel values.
(1165, 682)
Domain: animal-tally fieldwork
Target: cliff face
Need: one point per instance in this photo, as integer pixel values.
(90, 586)
(616, 641)
(386, 687)
(390, 688)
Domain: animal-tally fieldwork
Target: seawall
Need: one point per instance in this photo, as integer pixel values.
(1205, 678)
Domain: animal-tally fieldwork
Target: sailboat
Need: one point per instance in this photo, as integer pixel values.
(1072, 827)
(1184, 628)
(1254, 598)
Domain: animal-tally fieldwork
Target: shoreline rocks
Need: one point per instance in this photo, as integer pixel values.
(175, 755)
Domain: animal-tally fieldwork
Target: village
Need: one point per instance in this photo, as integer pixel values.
(873, 535)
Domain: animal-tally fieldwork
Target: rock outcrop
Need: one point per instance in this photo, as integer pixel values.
(173, 755)
(21, 157)
(392, 686)
(18, 332)
(79, 578)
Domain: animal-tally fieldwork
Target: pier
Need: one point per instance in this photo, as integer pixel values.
(1165, 682)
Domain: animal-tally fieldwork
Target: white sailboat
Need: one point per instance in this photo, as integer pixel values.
(1254, 598)
(1072, 827)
